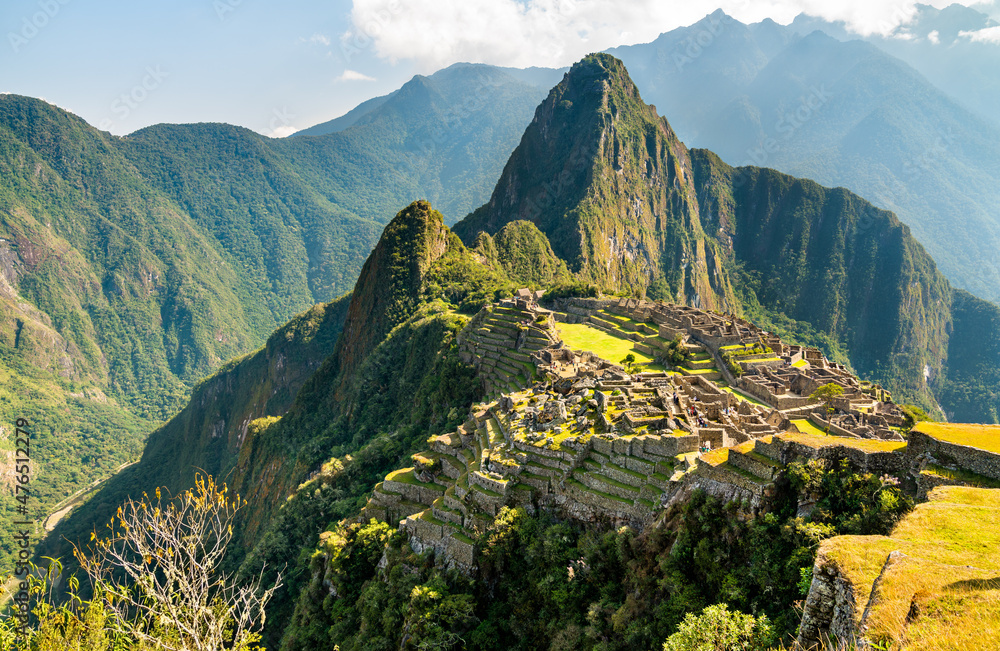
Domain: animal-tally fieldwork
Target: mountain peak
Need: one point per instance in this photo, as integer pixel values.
(389, 286)
(610, 185)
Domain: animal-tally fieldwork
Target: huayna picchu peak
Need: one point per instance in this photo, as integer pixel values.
(637, 397)
(608, 182)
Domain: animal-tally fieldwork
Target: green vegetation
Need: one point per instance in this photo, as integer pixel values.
(568, 175)
(677, 352)
(580, 336)
(544, 583)
(141, 264)
(524, 254)
(348, 391)
(718, 628)
(970, 388)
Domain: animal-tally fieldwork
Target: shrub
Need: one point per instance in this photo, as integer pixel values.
(719, 629)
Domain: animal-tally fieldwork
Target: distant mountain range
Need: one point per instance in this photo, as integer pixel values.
(132, 267)
(843, 114)
(956, 48)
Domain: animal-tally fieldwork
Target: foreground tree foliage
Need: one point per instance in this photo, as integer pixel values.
(547, 583)
(719, 629)
(156, 583)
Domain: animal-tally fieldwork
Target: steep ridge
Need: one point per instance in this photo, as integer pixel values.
(524, 253)
(785, 247)
(207, 435)
(410, 289)
(844, 114)
(119, 270)
(969, 389)
(133, 267)
(444, 137)
(663, 220)
(831, 259)
(610, 185)
(293, 247)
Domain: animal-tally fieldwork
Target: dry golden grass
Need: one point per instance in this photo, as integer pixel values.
(716, 457)
(822, 441)
(944, 591)
(926, 605)
(984, 437)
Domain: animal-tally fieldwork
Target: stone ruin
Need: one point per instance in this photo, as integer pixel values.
(566, 430)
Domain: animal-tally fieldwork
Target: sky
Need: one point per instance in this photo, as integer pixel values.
(276, 67)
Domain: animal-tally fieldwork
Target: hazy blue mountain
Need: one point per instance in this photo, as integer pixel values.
(347, 119)
(935, 45)
(841, 113)
(444, 138)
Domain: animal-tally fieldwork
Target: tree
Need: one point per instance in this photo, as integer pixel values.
(719, 629)
(158, 572)
(827, 393)
(629, 362)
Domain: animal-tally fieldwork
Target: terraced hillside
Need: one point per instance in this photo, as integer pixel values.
(568, 430)
(503, 338)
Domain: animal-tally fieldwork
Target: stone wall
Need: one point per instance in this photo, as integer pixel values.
(978, 461)
(412, 492)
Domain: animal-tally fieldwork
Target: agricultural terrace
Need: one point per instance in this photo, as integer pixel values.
(865, 445)
(984, 437)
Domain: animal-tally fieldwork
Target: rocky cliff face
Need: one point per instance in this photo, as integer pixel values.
(829, 258)
(389, 287)
(611, 186)
(629, 207)
(209, 433)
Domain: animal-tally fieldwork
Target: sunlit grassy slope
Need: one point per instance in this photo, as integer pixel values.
(943, 591)
(984, 437)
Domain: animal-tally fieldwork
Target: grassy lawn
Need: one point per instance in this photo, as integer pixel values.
(806, 427)
(743, 396)
(984, 437)
(716, 457)
(949, 571)
(406, 476)
(579, 336)
(801, 364)
(866, 445)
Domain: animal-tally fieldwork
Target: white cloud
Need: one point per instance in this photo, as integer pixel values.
(282, 132)
(437, 33)
(354, 75)
(320, 39)
(986, 35)
(934, 37)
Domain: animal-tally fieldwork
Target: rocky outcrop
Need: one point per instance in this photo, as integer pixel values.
(829, 612)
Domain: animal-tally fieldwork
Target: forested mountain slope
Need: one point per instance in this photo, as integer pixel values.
(842, 113)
